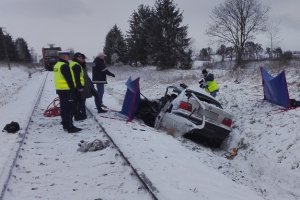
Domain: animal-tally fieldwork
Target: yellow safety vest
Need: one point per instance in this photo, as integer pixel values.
(59, 80)
(211, 86)
(72, 64)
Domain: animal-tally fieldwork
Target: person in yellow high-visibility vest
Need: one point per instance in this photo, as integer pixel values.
(65, 88)
(76, 66)
(88, 89)
(209, 83)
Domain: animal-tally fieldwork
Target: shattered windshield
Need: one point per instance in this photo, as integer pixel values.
(206, 99)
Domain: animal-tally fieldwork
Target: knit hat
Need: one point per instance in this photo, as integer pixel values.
(63, 53)
(101, 55)
(78, 54)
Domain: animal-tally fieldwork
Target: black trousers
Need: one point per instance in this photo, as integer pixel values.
(80, 106)
(96, 98)
(67, 108)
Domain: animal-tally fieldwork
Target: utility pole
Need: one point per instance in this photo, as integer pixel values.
(5, 48)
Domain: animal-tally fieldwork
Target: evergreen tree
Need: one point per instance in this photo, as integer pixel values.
(137, 35)
(11, 49)
(169, 44)
(2, 50)
(7, 48)
(22, 50)
(186, 59)
(115, 46)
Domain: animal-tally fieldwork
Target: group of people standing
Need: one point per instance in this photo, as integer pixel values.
(73, 86)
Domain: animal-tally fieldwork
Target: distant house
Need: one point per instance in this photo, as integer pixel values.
(296, 54)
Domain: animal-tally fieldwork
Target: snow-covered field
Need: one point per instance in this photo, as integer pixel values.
(267, 165)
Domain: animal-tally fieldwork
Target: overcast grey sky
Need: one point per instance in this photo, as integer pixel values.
(83, 24)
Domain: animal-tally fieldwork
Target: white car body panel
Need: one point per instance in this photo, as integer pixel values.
(205, 118)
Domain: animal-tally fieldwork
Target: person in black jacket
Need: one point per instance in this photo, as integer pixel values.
(88, 89)
(77, 66)
(99, 73)
(64, 85)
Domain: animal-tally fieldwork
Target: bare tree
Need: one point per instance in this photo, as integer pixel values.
(237, 21)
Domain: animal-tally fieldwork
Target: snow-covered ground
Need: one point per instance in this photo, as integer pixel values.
(267, 165)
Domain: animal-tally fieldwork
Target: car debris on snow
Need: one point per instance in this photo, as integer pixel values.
(95, 145)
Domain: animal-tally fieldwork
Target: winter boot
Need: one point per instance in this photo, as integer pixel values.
(73, 129)
(102, 111)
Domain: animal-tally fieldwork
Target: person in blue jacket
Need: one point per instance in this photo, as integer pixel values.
(99, 73)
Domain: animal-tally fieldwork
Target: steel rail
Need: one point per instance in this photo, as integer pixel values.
(153, 191)
(37, 100)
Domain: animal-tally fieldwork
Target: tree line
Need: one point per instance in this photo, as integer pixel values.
(252, 52)
(156, 36)
(13, 50)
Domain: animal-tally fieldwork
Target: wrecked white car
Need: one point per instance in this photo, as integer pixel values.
(189, 113)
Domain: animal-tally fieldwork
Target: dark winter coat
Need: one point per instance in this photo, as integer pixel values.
(87, 90)
(209, 77)
(100, 71)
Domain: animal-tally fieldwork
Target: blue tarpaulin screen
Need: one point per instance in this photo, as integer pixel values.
(275, 88)
(132, 98)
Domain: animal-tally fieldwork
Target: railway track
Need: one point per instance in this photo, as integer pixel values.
(21, 142)
(47, 165)
(138, 163)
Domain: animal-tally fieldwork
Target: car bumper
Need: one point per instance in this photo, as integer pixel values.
(210, 134)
